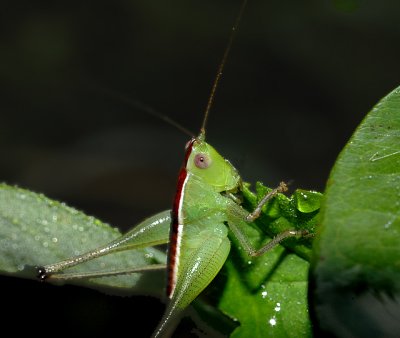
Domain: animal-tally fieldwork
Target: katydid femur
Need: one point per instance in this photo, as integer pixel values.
(205, 209)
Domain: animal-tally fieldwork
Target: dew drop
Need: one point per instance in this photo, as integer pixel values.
(272, 321)
(54, 218)
(388, 224)
(45, 244)
(54, 239)
(72, 211)
(264, 294)
(249, 262)
(278, 307)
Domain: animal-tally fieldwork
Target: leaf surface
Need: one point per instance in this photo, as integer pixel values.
(356, 263)
(35, 231)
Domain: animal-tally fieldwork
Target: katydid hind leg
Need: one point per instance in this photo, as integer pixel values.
(152, 231)
(98, 274)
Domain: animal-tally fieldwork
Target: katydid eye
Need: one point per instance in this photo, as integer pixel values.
(202, 161)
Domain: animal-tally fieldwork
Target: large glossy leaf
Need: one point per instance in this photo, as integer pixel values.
(35, 231)
(356, 265)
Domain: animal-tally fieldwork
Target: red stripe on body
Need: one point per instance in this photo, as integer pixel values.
(173, 252)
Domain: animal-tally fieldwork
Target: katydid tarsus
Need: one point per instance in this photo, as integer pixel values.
(205, 210)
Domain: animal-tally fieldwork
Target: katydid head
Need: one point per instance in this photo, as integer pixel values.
(206, 164)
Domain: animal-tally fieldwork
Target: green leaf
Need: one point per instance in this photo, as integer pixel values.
(307, 201)
(356, 264)
(278, 306)
(267, 295)
(35, 231)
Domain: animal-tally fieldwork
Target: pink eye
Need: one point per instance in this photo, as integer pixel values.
(202, 161)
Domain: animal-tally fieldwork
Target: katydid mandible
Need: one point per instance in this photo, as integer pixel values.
(205, 209)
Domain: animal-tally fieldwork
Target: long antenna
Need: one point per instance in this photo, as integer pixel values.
(151, 111)
(221, 68)
(137, 104)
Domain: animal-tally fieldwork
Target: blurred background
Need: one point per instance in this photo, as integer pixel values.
(300, 78)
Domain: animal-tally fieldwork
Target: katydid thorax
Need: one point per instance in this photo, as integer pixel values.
(205, 211)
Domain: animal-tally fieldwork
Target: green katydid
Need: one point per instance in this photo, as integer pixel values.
(205, 209)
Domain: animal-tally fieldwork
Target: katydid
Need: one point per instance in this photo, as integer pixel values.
(205, 210)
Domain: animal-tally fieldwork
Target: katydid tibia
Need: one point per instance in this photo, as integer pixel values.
(205, 210)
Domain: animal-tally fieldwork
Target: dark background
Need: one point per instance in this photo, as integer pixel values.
(300, 78)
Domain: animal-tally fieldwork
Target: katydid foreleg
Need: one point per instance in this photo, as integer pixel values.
(238, 216)
(152, 231)
(257, 211)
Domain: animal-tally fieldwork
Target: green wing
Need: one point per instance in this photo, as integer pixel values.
(207, 254)
(203, 248)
